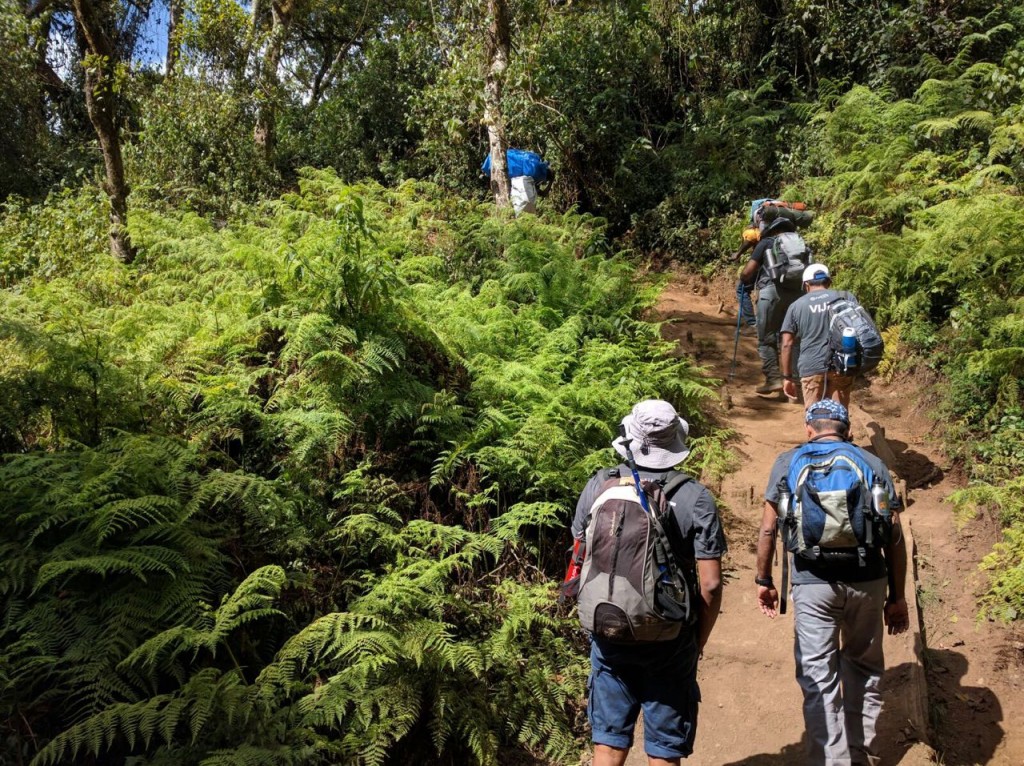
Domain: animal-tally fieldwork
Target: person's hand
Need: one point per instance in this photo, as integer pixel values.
(767, 600)
(897, 616)
(789, 388)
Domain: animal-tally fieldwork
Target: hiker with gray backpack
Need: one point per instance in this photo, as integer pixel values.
(837, 340)
(838, 514)
(775, 267)
(646, 569)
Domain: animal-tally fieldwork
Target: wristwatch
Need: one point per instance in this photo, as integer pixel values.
(766, 582)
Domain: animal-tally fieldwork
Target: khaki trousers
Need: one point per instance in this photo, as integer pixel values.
(830, 385)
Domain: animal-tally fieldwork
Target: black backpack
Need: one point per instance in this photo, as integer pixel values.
(786, 260)
(634, 588)
(846, 314)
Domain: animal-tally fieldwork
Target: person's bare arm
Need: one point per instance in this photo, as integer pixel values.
(767, 595)
(710, 604)
(744, 246)
(749, 272)
(786, 363)
(897, 614)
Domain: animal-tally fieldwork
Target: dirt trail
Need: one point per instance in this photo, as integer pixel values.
(751, 711)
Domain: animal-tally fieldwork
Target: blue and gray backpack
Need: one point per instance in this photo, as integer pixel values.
(831, 515)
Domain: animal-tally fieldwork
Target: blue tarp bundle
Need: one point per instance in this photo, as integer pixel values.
(755, 205)
(521, 163)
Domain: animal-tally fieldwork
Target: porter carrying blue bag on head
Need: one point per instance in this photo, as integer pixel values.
(521, 162)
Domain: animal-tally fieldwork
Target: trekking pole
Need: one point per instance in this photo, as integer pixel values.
(736, 343)
(667, 574)
(626, 441)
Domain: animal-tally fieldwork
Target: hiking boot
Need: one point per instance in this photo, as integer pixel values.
(769, 387)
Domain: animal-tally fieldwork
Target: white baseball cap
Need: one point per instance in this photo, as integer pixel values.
(816, 272)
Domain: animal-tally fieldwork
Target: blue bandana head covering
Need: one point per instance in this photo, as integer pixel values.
(827, 409)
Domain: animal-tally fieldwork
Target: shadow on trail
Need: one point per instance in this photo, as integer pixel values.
(789, 755)
(918, 469)
(895, 738)
(966, 718)
(894, 734)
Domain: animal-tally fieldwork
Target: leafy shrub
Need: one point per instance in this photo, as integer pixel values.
(53, 238)
(920, 210)
(194, 148)
(320, 464)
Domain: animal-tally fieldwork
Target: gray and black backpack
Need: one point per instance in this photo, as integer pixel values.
(786, 260)
(846, 314)
(634, 587)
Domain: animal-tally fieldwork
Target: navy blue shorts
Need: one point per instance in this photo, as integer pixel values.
(660, 678)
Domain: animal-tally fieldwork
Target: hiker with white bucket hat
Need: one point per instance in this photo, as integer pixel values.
(648, 577)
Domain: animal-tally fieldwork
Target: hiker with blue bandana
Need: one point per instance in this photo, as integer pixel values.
(647, 573)
(838, 514)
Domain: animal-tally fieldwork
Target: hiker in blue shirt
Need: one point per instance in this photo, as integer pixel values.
(658, 676)
(847, 582)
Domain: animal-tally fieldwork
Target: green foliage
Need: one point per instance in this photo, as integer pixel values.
(194, 148)
(1005, 566)
(20, 96)
(54, 238)
(364, 128)
(304, 480)
(100, 547)
(920, 212)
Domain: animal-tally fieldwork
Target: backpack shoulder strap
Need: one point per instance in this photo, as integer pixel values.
(840, 296)
(681, 486)
(674, 482)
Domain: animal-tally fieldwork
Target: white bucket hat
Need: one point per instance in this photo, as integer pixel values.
(657, 434)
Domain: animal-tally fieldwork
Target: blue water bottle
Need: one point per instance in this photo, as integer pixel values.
(848, 357)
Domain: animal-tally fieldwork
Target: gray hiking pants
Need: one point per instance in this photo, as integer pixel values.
(839, 667)
(772, 304)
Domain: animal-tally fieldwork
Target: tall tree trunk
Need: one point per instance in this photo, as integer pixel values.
(326, 74)
(100, 103)
(498, 45)
(176, 13)
(51, 83)
(265, 134)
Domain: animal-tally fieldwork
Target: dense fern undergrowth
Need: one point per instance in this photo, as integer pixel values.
(922, 214)
(296, 489)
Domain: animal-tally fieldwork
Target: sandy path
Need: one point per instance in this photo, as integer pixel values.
(751, 711)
